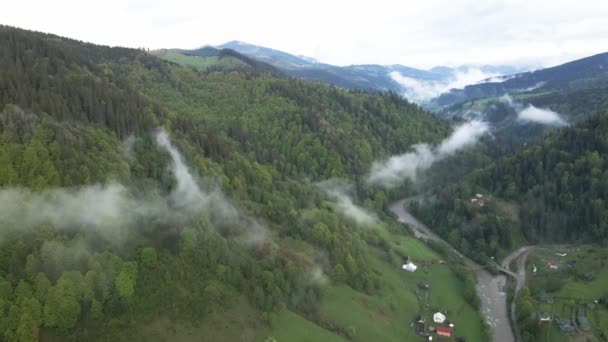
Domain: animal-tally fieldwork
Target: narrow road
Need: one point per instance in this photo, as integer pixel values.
(490, 288)
(520, 255)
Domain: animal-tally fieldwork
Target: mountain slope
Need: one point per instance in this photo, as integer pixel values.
(552, 191)
(113, 228)
(561, 183)
(488, 69)
(277, 58)
(362, 77)
(590, 72)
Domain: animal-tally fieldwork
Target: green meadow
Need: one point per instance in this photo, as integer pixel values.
(387, 316)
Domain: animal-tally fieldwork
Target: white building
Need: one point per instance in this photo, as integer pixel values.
(438, 317)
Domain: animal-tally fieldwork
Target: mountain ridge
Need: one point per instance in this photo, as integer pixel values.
(588, 72)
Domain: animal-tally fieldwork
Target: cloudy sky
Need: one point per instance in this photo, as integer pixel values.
(414, 33)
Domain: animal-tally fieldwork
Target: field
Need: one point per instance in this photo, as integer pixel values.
(580, 281)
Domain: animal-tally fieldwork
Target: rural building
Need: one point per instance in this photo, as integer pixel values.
(480, 202)
(552, 264)
(545, 298)
(581, 319)
(438, 317)
(409, 267)
(423, 286)
(421, 327)
(589, 276)
(543, 317)
(444, 331)
(567, 329)
(565, 326)
(583, 323)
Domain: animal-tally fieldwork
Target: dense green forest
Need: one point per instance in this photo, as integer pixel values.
(95, 235)
(551, 191)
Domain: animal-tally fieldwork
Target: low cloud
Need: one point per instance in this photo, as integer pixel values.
(534, 87)
(338, 190)
(541, 116)
(92, 207)
(187, 192)
(393, 171)
(317, 277)
(111, 209)
(499, 79)
(421, 91)
(533, 114)
(128, 147)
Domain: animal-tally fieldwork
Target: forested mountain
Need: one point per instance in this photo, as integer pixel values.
(528, 117)
(551, 191)
(589, 72)
(488, 69)
(135, 192)
(274, 57)
(359, 77)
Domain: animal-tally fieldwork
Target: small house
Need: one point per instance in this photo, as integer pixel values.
(583, 323)
(409, 267)
(480, 202)
(552, 264)
(421, 327)
(438, 317)
(581, 318)
(444, 331)
(565, 326)
(543, 317)
(567, 329)
(545, 298)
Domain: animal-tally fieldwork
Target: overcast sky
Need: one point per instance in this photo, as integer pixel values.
(421, 33)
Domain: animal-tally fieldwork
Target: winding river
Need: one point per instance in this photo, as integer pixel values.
(490, 288)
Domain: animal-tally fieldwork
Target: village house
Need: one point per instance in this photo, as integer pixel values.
(589, 276)
(438, 317)
(480, 202)
(565, 326)
(581, 319)
(444, 331)
(552, 264)
(545, 298)
(421, 327)
(543, 317)
(583, 323)
(423, 286)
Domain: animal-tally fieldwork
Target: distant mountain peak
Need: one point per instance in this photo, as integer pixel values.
(236, 42)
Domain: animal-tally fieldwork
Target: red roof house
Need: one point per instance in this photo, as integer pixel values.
(444, 331)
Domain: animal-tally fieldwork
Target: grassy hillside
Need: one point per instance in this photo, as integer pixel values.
(146, 200)
(202, 63)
